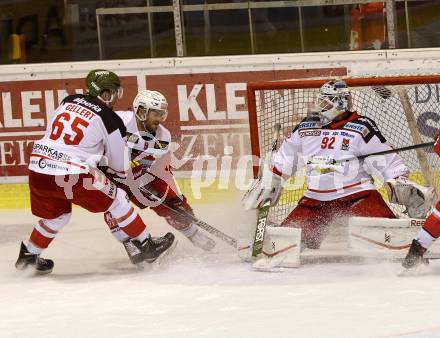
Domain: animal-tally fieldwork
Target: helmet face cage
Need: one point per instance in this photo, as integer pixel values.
(333, 100)
(150, 100)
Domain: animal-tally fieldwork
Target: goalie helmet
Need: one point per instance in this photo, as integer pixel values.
(334, 99)
(150, 99)
(99, 80)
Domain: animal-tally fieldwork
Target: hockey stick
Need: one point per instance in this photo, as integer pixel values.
(385, 152)
(263, 212)
(205, 226)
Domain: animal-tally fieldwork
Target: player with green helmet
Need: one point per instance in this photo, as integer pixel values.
(89, 135)
(105, 85)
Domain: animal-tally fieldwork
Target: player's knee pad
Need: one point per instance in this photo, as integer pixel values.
(121, 205)
(54, 225)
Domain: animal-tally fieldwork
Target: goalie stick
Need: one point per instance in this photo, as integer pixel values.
(263, 212)
(205, 226)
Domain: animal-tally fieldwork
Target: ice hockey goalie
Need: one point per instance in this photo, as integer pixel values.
(338, 188)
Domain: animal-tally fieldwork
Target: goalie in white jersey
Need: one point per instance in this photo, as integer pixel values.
(337, 188)
(149, 142)
(83, 132)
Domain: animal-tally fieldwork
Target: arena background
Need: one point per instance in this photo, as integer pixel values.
(207, 112)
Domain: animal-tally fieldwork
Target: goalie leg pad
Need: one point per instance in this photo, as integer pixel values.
(381, 237)
(281, 248)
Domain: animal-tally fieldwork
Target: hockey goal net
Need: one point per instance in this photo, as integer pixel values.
(406, 110)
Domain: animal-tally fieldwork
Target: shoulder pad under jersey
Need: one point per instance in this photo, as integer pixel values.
(308, 123)
(366, 127)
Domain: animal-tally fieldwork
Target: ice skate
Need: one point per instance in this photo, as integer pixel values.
(414, 256)
(153, 248)
(202, 241)
(133, 252)
(27, 260)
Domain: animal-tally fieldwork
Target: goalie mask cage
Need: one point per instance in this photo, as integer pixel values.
(405, 108)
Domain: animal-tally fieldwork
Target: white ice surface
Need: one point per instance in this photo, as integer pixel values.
(94, 291)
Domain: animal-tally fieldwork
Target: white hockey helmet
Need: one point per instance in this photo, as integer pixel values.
(150, 99)
(334, 99)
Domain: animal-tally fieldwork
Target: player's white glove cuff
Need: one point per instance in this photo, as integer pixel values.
(268, 187)
(417, 198)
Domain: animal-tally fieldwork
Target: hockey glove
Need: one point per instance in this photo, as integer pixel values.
(265, 188)
(418, 199)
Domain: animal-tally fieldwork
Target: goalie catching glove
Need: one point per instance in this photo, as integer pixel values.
(267, 187)
(418, 199)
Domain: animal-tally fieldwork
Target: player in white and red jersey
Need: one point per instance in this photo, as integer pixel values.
(336, 188)
(429, 232)
(149, 142)
(83, 133)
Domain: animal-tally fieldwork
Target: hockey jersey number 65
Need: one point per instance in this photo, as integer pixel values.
(81, 131)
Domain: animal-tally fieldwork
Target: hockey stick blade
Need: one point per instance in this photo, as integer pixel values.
(205, 226)
(257, 246)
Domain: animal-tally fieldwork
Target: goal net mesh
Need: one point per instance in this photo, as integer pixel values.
(405, 112)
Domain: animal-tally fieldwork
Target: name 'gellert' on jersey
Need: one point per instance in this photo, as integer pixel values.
(317, 149)
(82, 130)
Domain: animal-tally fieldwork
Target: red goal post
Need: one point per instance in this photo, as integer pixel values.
(406, 109)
